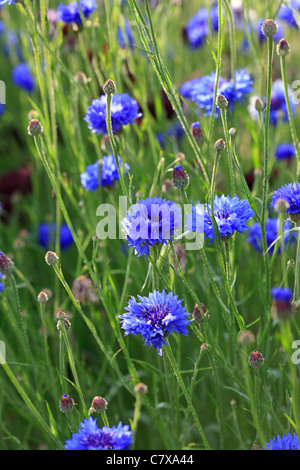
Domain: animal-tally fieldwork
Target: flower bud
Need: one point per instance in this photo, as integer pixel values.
(197, 133)
(81, 78)
(66, 404)
(269, 28)
(283, 48)
(180, 177)
(109, 87)
(221, 102)
(51, 258)
(60, 314)
(6, 265)
(141, 389)
(42, 297)
(245, 338)
(67, 324)
(258, 105)
(34, 128)
(220, 145)
(197, 313)
(281, 205)
(256, 359)
(99, 404)
(232, 132)
(204, 347)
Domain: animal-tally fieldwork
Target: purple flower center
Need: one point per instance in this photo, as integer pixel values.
(155, 315)
(99, 439)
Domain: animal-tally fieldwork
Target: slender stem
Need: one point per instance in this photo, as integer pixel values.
(186, 394)
(113, 143)
(297, 267)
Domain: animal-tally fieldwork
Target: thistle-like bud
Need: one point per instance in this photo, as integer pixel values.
(66, 404)
(51, 258)
(256, 359)
(67, 324)
(6, 265)
(232, 132)
(269, 28)
(60, 314)
(245, 338)
(283, 48)
(197, 313)
(221, 102)
(281, 205)
(220, 145)
(81, 78)
(109, 87)
(141, 389)
(204, 347)
(180, 177)
(35, 128)
(99, 404)
(258, 105)
(255, 447)
(197, 133)
(42, 297)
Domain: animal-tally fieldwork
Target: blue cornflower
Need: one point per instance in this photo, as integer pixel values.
(125, 37)
(22, 77)
(201, 90)
(154, 317)
(214, 16)
(160, 136)
(290, 193)
(71, 13)
(151, 221)
(231, 215)
(197, 28)
(47, 236)
(90, 437)
(285, 151)
(2, 109)
(287, 442)
(272, 228)
(1, 283)
(2, 27)
(124, 110)
(176, 130)
(284, 294)
(286, 12)
(109, 173)
(7, 2)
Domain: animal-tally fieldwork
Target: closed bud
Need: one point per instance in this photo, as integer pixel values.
(281, 205)
(232, 132)
(51, 258)
(34, 128)
(204, 347)
(180, 177)
(245, 338)
(109, 87)
(255, 447)
(258, 105)
(42, 297)
(99, 404)
(269, 28)
(220, 145)
(60, 314)
(66, 404)
(81, 78)
(141, 389)
(221, 102)
(283, 48)
(6, 265)
(256, 359)
(199, 312)
(282, 307)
